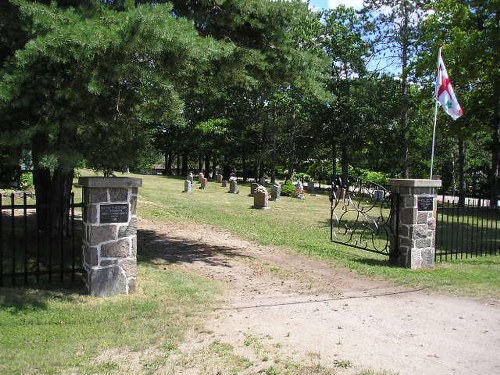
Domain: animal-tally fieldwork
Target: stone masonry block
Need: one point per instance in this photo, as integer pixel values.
(410, 201)
(133, 205)
(118, 195)
(128, 230)
(422, 243)
(116, 249)
(106, 282)
(422, 217)
(99, 234)
(133, 247)
(90, 256)
(421, 231)
(129, 266)
(98, 195)
(408, 216)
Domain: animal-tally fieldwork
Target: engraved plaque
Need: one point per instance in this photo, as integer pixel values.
(114, 213)
(425, 203)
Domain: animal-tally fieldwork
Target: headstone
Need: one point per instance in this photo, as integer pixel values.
(204, 183)
(233, 186)
(218, 178)
(224, 183)
(201, 176)
(190, 177)
(188, 186)
(299, 190)
(378, 195)
(276, 192)
(261, 198)
(310, 188)
(253, 186)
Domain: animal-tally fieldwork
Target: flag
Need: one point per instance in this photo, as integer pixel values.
(444, 91)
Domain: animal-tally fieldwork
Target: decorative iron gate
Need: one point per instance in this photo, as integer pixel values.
(28, 255)
(362, 215)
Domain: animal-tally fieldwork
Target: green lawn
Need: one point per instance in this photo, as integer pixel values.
(303, 226)
(62, 331)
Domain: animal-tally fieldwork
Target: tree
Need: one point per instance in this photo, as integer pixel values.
(469, 31)
(395, 28)
(91, 84)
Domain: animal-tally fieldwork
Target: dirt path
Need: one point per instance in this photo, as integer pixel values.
(284, 311)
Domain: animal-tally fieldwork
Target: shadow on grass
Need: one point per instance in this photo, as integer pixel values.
(16, 300)
(375, 262)
(155, 245)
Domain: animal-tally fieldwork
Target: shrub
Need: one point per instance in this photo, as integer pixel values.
(288, 189)
(26, 180)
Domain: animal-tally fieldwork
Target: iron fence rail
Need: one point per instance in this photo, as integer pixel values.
(465, 231)
(31, 256)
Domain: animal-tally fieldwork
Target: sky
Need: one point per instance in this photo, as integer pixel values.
(328, 4)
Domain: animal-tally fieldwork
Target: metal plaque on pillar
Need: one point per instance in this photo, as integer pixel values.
(114, 213)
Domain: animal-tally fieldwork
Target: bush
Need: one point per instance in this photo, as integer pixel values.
(288, 189)
(26, 180)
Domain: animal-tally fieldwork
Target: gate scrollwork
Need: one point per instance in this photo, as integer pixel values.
(361, 214)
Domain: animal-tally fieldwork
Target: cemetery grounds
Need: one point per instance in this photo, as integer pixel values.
(227, 289)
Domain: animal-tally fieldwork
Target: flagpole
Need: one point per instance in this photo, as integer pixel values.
(435, 114)
(434, 136)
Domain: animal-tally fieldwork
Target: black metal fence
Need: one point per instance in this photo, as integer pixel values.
(29, 255)
(465, 231)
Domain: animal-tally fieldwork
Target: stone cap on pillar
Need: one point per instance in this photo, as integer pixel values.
(110, 182)
(411, 182)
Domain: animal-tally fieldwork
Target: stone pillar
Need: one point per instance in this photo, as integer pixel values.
(110, 234)
(415, 229)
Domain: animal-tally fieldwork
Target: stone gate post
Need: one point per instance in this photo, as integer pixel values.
(110, 234)
(415, 226)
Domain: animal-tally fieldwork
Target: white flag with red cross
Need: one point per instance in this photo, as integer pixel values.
(444, 91)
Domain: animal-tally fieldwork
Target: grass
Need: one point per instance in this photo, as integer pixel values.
(56, 331)
(303, 227)
(63, 331)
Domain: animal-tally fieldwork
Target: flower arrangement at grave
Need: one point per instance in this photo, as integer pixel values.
(260, 189)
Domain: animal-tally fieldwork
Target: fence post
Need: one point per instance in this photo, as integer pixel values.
(110, 234)
(416, 224)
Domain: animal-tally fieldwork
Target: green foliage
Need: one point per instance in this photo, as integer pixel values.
(26, 180)
(288, 189)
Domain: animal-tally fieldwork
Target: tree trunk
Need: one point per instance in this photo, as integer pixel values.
(184, 167)
(495, 165)
(345, 163)
(334, 161)
(53, 198)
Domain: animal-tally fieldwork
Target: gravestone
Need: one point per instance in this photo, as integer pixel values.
(233, 187)
(218, 178)
(190, 177)
(201, 176)
(188, 186)
(276, 192)
(310, 188)
(299, 190)
(224, 183)
(109, 240)
(204, 183)
(261, 198)
(253, 186)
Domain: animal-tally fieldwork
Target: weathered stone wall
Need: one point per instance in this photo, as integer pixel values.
(416, 225)
(110, 234)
